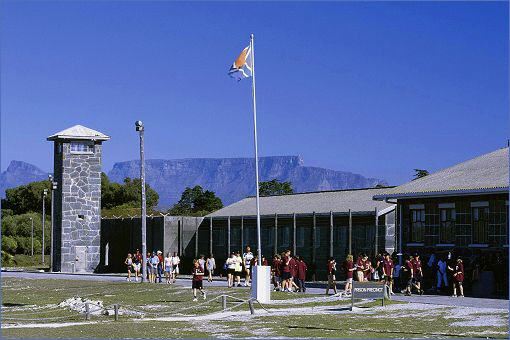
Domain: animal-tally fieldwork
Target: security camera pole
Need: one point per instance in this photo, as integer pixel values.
(139, 128)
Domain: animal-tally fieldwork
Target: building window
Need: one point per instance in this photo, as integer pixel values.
(82, 147)
(417, 224)
(317, 237)
(284, 236)
(300, 237)
(447, 227)
(480, 224)
(219, 236)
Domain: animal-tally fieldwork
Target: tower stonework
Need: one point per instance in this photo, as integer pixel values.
(77, 199)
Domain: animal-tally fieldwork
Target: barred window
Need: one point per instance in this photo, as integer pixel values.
(447, 230)
(480, 224)
(82, 147)
(417, 224)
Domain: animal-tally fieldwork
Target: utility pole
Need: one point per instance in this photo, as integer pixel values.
(53, 188)
(32, 221)
(140, 128)
(45, 193)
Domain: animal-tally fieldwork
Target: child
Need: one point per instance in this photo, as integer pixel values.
(301, 273)
(168, 268)
(129, 263)
(331, 276)
(349, 270)
(137, 263)
(211, 266)
(198, 275)
(458, 278)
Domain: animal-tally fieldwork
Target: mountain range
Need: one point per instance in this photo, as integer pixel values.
(230, 178)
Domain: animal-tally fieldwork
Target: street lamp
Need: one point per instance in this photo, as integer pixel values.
(45, 193)
(140, 129)
(53, 188)
(32, 221)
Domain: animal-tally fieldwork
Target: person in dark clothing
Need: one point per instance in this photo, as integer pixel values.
(301, 273)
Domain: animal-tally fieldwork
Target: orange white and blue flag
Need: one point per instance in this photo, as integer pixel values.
(243, 66)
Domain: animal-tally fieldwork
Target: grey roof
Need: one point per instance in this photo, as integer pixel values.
(484, 174)
(358, 200)
(79, 132)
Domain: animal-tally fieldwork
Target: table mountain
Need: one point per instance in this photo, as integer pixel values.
(20, 173)
(233, 178)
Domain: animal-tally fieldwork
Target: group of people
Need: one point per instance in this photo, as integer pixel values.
(406, 278)
(288, 272)
(157, 266)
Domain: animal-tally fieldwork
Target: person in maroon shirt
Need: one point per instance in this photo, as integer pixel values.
(408, 275)
(196, 282)
(301, 273)
(360, 267)
(286, 274)
(276, 269)
(293, 267)
(331, 276)
(349, 270)
(387, 267)
(458, 277)
(367, 271)
(417, 273)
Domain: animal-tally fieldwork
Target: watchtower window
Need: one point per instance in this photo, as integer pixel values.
(82, 147)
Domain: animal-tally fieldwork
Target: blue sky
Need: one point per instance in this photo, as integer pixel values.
(373, 88)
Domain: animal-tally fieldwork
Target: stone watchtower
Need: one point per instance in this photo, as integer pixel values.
(77, 199)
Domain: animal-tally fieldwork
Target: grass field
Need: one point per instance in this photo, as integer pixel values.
(164, 311)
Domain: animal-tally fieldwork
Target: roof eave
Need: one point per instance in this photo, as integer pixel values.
(61, 137)
(442, 193)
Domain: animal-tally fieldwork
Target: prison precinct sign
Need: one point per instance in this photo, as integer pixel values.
(367, 290)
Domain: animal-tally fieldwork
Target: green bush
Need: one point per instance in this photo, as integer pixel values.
(9, 244)
(7, 259)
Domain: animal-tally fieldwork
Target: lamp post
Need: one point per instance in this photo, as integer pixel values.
(32, 221)
(53, 188)
(140, 129)
(45, 193)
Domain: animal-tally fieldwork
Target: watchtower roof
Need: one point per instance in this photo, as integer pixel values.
(79, 132)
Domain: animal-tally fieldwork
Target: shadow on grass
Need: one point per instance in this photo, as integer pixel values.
(13, 304)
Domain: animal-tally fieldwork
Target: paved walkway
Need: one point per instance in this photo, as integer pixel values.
(314, 288)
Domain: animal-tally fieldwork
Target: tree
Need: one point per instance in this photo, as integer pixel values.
(275, 187)
(419, 173)
(27, 198)
(125, 199)
(196, 202)
(17, 230)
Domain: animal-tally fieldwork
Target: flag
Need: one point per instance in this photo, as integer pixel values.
(243, 66)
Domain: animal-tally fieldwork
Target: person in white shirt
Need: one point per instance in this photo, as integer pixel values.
(247, 258)
(168, 268)
(211, 266)
(238, 268)
(175, 264)
(231, 267)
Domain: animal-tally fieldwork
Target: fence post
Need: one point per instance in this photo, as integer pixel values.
(250, 304)
(224, 301)
(87, 311)
(116, 310)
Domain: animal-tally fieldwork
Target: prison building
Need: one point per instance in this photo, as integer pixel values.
(120, 236)
(462, 209)
(314, 225)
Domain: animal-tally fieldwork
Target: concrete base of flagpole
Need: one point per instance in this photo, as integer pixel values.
(261, 284)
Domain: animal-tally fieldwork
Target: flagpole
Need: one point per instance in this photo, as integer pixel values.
(259, 248)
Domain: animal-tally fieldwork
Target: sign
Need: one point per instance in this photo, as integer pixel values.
(367, 290)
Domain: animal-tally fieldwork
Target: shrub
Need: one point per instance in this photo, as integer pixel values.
(9, 244)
